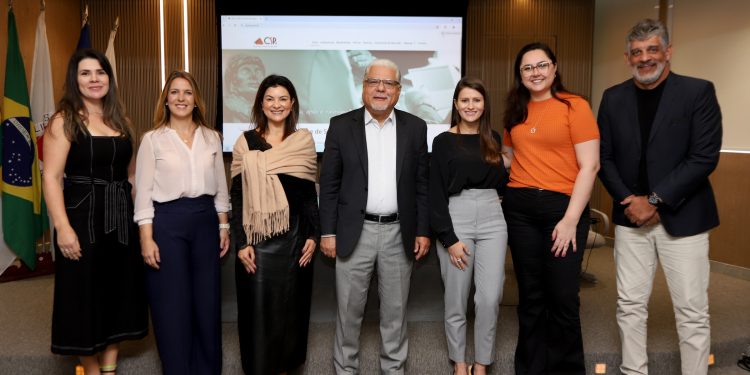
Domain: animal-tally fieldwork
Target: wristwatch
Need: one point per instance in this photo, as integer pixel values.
(654, 199)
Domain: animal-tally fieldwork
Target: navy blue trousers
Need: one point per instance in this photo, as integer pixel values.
(549, 324)
(184, 293)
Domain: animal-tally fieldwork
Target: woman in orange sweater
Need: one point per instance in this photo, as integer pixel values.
(553, 140)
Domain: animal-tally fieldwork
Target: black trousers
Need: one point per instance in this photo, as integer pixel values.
(549, 336)
(184, 293)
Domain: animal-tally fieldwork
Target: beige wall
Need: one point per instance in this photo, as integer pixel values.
(612, 20)
(711, 40)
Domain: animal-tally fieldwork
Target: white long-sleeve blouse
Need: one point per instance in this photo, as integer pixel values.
(166, 169)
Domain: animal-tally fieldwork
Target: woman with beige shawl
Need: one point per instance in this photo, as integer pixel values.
(275, 226)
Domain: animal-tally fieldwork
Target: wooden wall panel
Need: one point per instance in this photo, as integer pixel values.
(63, 20)
(203, 50)
(137, 48)
(174, 54)
(496, 30)
(731, 183)
(136, 53)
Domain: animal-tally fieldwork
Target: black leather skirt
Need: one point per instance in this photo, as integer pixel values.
(273, 304)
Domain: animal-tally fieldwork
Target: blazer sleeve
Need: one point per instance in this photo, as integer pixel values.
(239, 238)
(423, 198)
(704, 150)
(330, 181)
(310, 209)
(608, 172)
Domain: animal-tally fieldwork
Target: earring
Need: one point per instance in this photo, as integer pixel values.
(166, 104)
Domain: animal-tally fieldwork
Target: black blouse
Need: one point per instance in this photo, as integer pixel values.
(456, 165)
(300, 193)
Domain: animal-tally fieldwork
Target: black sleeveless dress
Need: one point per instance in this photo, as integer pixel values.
(273, 305)
(99, 299)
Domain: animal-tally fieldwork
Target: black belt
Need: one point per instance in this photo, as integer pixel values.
(115, 206)
(382, 218)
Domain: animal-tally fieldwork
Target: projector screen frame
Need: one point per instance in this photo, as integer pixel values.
(226, 8)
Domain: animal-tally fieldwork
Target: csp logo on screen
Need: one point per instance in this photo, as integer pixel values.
(266, 41)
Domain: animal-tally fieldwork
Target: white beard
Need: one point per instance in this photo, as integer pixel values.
(648, 79)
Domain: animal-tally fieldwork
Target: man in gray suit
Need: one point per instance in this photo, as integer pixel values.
(374, 214)
(660, 140)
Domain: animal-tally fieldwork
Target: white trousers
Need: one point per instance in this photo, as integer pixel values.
(686, 267)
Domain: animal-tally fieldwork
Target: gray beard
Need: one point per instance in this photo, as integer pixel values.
(649, 79)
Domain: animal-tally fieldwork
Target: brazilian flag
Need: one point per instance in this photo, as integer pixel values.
(24, 214)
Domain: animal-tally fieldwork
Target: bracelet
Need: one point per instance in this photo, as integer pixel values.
(224, 226)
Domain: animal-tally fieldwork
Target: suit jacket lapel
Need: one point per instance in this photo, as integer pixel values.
(401, 136)
(670, 94)
(358, 134)
(630, 101)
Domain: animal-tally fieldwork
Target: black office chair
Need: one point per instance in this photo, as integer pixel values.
(599, 220)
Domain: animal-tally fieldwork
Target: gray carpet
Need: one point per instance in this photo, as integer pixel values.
(25, 313)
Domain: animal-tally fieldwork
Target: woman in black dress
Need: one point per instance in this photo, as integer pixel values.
(276, 228)
(99, 289)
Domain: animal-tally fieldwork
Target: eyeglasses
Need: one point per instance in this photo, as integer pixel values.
(528, 69)
(375, 82)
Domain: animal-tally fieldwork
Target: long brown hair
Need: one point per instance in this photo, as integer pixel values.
(259, 118)
(487, 144)
(72, 108)
(162, 113)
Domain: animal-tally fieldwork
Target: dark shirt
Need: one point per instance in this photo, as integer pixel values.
(648, 103)
(456, 165)
(300, 193)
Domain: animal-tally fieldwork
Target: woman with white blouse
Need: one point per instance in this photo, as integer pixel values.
(181, 208)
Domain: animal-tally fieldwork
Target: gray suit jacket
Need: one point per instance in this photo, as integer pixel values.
(682, 152)
(343, 179)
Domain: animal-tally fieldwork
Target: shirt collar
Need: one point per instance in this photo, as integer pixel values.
(390, 120)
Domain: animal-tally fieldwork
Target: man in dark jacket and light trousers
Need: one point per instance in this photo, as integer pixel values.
(374, 214)
(660, 140)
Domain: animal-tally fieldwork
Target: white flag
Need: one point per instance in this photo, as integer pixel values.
(110, 53)
(7, 256)
(42, 94)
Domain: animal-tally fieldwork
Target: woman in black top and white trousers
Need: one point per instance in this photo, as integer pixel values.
(467, 174)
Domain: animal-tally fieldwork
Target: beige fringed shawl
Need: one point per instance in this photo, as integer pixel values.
(265, 209)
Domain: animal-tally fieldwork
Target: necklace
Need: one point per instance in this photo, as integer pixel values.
(186, 138)
(538, 119)
(189, 138)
